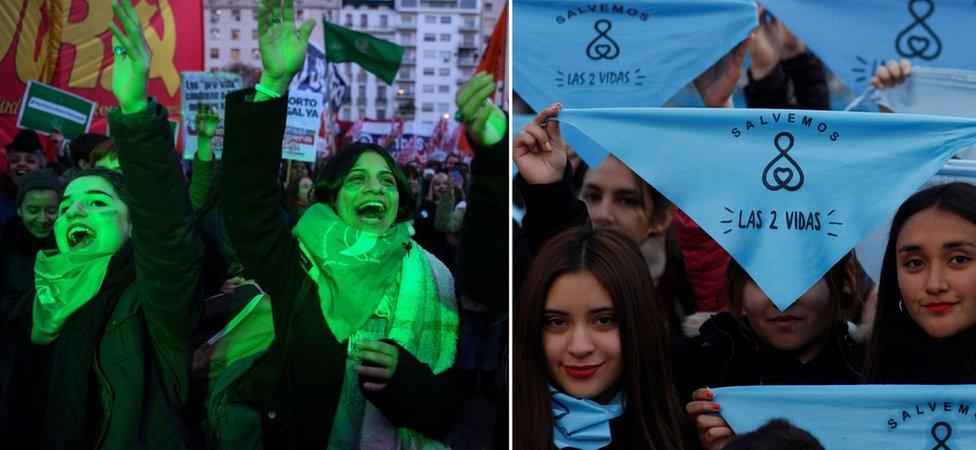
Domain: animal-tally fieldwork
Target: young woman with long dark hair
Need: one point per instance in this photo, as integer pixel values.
(590, 339)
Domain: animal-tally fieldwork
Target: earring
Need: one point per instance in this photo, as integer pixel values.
(901, 306)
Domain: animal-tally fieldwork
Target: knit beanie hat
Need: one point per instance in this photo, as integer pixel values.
(37, 180)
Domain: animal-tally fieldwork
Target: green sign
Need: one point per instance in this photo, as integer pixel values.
(45, 109)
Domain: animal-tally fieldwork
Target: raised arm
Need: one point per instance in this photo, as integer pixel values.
(167, 251)
(248, 188)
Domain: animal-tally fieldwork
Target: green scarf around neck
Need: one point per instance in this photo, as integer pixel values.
(351, 268)
(65, 282)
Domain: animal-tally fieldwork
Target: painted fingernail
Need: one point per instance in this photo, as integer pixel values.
(711, 395)
(548, 146)
(715, 406)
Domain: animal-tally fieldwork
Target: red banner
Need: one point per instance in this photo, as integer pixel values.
(67, 44)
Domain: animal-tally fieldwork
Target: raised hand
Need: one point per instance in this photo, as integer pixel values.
(206, 121)
(891, 74)
(713, 431)
(716, 84)
(130, 75)
(767, 46)
(485, 120)
(540, 151)
(282, 46)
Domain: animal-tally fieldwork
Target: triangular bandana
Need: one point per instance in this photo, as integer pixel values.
(786, 192)
(854, 37)
(892, 417)
(623, 53)
(928, 90)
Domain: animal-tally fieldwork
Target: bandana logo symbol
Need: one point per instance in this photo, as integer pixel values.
(776, 176)
(602, 46)
(941, 442)
(909, 44)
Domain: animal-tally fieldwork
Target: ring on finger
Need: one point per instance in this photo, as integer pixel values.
(119, 50)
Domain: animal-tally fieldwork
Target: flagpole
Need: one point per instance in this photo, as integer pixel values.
(332, 145)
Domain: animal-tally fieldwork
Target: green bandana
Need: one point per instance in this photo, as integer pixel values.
(351, 268)
(65, 282)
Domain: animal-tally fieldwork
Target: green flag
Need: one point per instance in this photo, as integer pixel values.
(378, 56)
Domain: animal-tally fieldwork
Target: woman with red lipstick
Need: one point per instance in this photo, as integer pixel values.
(924, 329)
(591, 360)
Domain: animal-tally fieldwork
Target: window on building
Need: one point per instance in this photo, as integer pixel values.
(300, 15)
(381, 92)
(430, 19)
(215, 33)
(427, 89)
(443, 89)
(362, 91)
(215, 16)
(445, 19)
(254, 34)
(469, 23)
(445, 37)
(384, 21)
(362, 113)
(430, 54)
(444, 71)
(380, 114)
(348, 21)
(427, 107)
(235, 34)
(429, 71)
(254, 14)
(237, 14)
(256, 53)
(488, 6)
(430, 37)
(442, 107)
(445, 55)
(346, 115)
(235, 54)
(214, 53)
(363, 21)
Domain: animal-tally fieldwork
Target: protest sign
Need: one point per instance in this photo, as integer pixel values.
(205, 88)
(45, 109)
(786, 193)
(621, 54)
(852, 38)
(302, 125)
(856, 417)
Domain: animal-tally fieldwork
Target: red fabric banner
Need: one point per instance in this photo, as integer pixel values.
(67, 44)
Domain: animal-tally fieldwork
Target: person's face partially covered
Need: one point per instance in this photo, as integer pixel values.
(19, 163)
(38, 210)
(615, 199)
(93, 217)
(368, 199)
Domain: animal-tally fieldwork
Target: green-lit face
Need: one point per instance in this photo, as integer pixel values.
(368, 199)
(93, 217)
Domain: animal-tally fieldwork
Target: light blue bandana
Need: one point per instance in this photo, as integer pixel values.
(786, 193)
(890, 417)
(582, 423)
(621, 53)
(928, 90)
(853, 37)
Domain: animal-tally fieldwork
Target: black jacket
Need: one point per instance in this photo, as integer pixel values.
(143, 362)
(724, 354)
(297, 384)
(796, 83)
(911, 356)
(18, 250)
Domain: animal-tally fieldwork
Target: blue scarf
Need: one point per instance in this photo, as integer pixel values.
(890, 417)
(854, 37)
(928, 90)
(583, 423)
(786, 193)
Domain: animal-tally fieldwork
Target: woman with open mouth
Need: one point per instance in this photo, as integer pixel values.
(925, 326)
(365, 320)
(98, 354)
(592, 365)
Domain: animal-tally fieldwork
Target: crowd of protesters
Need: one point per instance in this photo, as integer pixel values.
(249, 302)
(626, 312)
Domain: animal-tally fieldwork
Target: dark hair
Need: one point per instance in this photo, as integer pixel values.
(333, 174)
(652, 202)
(105, 149)
(775, 435)
(956, 198)
(25, 141)
(112, 177)
(840, 280)
(653, 413)
(80, 148)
